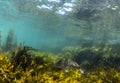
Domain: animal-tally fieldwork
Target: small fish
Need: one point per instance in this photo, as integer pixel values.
(82, 71)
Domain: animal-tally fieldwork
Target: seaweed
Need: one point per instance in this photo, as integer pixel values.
(102, 66)
(10, 41)
(89, 59)
(22, 58)
(0, 38)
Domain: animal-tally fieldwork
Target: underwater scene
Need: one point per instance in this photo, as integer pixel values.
(59, 41)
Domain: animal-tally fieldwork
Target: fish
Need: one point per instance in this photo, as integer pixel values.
(67, 64)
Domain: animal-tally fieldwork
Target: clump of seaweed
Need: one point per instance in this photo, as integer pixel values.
(10, 41)
(23, 59)
(39, 68)
(103, 55)
(89, 58)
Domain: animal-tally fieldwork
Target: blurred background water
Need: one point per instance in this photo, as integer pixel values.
(50, 25)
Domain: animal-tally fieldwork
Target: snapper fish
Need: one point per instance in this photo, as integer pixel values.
(67, 64)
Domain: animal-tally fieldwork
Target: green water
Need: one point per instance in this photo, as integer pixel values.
(59, 41)
(49, 30)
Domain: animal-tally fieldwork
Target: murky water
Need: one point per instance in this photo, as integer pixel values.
(59, 41)
(44, 29)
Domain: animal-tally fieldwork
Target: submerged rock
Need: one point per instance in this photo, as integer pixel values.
(67, 64)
